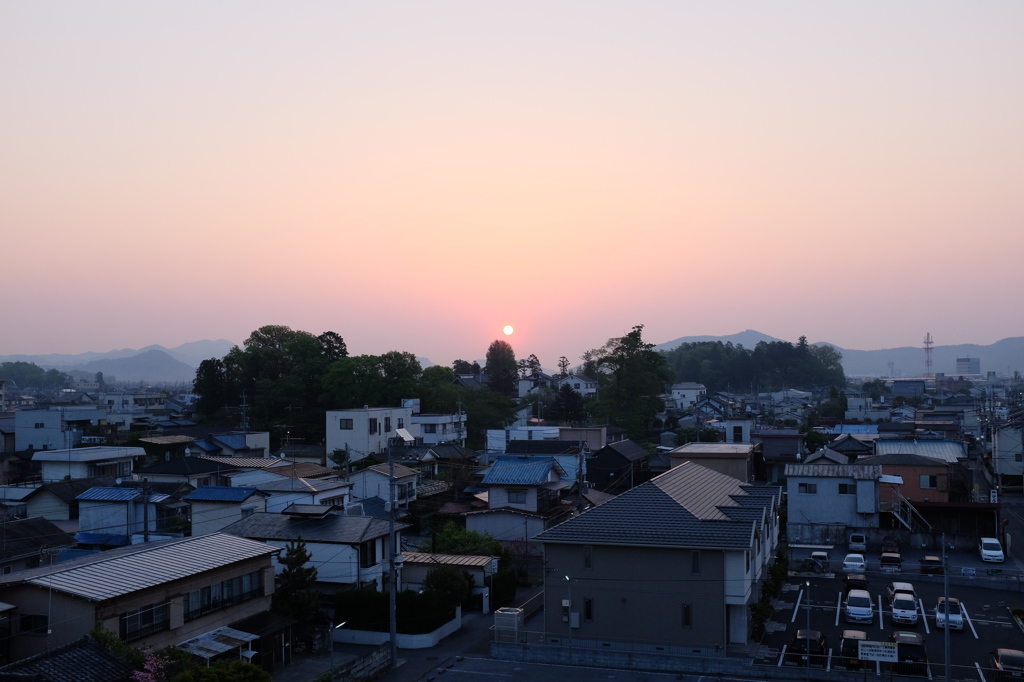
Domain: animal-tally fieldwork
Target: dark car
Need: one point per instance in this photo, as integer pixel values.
(910, 652)
(854, 581)
(849, 648)
(932, 565)
(1008, 664)
(804, 641)
(890, 545)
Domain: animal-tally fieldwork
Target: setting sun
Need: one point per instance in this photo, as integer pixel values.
(508, 329)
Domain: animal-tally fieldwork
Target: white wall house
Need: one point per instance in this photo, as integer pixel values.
(580, 383)
(687, 393)
(214, 507)
(103, 460)
(1007, 451)
(366, 430)
(375, 482)
(57, 428)
(436, 429)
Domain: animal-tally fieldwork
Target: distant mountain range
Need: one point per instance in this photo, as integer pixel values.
(157, 364)
(1002, 357)
(152, 364)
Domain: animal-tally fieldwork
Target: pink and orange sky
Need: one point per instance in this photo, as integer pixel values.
(415, 175)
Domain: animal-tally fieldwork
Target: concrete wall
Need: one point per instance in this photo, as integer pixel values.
(425, 641)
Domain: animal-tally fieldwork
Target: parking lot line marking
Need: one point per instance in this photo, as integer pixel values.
(963, 609)
(980, 674)
(796, 609)
(839, 607)
(881, 614)
(924, 617)
(828, 663)
(878, 667)
(929, 669)
(782, 656)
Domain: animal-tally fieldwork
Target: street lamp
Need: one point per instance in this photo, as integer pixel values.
(330, 643)
(807, 637)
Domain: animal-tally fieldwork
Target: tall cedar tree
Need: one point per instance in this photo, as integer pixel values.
(501, 368)
(296, 595)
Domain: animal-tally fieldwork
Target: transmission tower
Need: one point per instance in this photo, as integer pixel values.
(928, 343)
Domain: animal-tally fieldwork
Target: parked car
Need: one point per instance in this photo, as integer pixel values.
(1008, 664)
(805, 641)
(858, 607)
(892, 588)
(891, 562)
(910, 652)
(854, 581)
(932, 565)
(858, 543)
(849, 648)
(991, 550)
(890, 545)
(854, 563)
(955, 615)
(904, 608)
(822, 558)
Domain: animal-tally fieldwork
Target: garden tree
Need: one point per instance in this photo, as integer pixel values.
(401, 372)
(691, 435)
(485, 410)
(533, 365)
(813, 439)
(99, 380)
(569, 406)
(835, 407)
(214, 385)
(462, 367)
(223, 671)
(437, 393)
(28, 375)
(454, 539)
(875, 389)
(353, 382)
(563, 368)
(633, 377)
(296, 595)
(501, 368)
(332, 346)
(451, 583)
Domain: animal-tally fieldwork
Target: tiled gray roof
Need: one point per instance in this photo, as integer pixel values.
(336, 528)
(85, 660)
(129, 569)
(687, 506)
(30, 536)
(220, 493)
(857, 472)
(630, 450)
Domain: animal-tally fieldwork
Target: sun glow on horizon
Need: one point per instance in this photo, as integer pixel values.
(508, 330)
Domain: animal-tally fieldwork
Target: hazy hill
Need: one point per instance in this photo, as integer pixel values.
(1002, 357)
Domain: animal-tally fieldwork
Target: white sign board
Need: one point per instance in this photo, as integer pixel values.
(877, 651)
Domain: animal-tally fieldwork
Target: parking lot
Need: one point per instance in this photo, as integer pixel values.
(815, 602)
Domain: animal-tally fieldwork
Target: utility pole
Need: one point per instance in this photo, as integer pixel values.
(145, 510)
(392, 570)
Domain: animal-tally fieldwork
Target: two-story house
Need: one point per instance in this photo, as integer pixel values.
(672, 563)
(214, 506)
(580, 383)
(103, 460)
(151, 595)
(375, 481)
(686, 394)
(523, 499)
(349, 552)
(826, 500)
(366, 430)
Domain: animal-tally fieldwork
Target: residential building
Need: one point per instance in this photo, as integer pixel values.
(672, 563)
(102, 460)
(523, 499)
(375, 481)
(27, 541)
(361, 432)
(58, 501)
(480, 569)
(686, 394)
(1008, 454)
(825, 500)
(582, 384)
(742, 461)
(435, 429)
(152, 595)
(56, 428)
(112, 516)
(348, 551)
(617, 467)
(779, 447)
(214, 506)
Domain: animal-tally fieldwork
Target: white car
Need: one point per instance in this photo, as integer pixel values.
(955, 616)
(904, 608)
(858, 607)
(854, 563)
(991, 550)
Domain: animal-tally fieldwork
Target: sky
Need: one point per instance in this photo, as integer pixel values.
(416, 175)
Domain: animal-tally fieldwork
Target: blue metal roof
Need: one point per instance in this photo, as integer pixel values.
(206, 446)
(110, 494)
(219, 493)
(510, 470)
(235, 441)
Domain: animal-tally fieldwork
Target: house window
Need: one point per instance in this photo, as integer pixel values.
(695, 562)
(517, 497)
(345, 424)
(203, 481)
(367, 553)
(144, 622)
(40, 425)
(248, 511)
(1018, 457)
(588, 609)
(808, 488)
(31, 624)
(217, 596)
(401, 422)
(687, 615)
(847, 489)
(588, 556)
(373, 425)
(737, 434)
(746, 555)
(6, 570)
(387, 424)
(430, 428)
(929, 481)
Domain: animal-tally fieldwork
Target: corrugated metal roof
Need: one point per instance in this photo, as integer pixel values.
(235, 441)
(382, 469)
(119, 572)
(101, 494)
(219, 493)
(445, 559)
(945, 450)
(519, 471)
(245, 462)
(858, 472)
